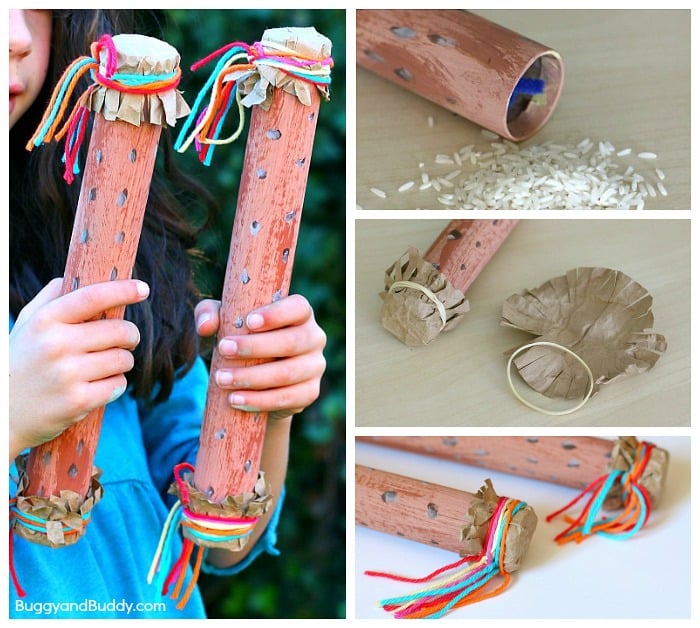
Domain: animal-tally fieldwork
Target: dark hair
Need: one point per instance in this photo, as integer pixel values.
(42, 209)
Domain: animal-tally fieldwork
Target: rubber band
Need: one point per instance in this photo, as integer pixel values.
(636, 504)
(427, 292)
(76, 123)
(466, 584)
(543, 343)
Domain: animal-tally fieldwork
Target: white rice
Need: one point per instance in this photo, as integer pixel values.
(498, 174)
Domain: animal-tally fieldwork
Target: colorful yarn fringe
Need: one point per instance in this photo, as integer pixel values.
(468, 583)
(635, 498)
(206, 529)
(73, 128)
(36, 524)
(237, 60)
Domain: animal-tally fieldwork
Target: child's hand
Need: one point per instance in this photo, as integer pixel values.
(61, 368)
(286, 331)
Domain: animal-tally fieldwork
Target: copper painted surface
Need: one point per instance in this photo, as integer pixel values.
(266, 225)
(462, 62)
(103, 245)
(464, 247)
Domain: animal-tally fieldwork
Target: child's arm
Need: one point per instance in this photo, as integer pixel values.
(62, 367)
(285, 330)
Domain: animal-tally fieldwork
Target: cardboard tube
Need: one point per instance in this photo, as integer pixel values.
(258, 272)
(433, 514)
(106, 231)
(425, 296)
(464, 63)
(573, 461)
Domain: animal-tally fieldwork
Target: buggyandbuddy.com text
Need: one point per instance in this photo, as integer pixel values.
(122, 607)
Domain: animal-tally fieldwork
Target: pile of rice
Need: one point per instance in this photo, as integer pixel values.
(503, 175)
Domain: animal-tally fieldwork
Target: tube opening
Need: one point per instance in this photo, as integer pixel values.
(535, 96)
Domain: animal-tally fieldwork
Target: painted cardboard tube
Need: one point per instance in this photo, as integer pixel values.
(107, 227)
(103, 247)
(573, 461)
(464, 63)
(432, 514)
(424, 296)
(258, 272)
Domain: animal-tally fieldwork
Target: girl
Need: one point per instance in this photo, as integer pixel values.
(146, 368)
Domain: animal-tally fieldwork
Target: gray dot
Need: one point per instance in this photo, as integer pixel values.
(289, 216)
(46, 458)
(210, 492)
(285, 255)
(113, 274)
(92, 194)
(481, 452)
(274, 134)
(261, 173)
(72, 471)
(403, 32)
(404, 74)
(276, 296)
(573, 463)
(75, 284)
(132, 155)
(389, 497)
(245, 278)
(119, 238)
(248, 464)
(98, 155)
(255, 227)
(84, 236)
(450, 441)
(238, 323)
(443, 41)
(220, 434)
(121, 198)
(300, 162)
(370, 54)
(432, 511)
(567, 444)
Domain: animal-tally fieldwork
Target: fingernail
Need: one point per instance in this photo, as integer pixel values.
(246, 408)
(224, 378)
(228, 347)
(203, 318)
(254, 321)
(116, 393)
(142, 289)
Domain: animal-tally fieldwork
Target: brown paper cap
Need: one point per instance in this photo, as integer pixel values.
(258, 85)
(252, 504)
(518, 535)
(601, 314)
(65, 510)
(653, 477)
(408, 313)
(139, 54)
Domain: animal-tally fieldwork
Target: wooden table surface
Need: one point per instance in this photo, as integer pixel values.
(627, 81)
(460, 378)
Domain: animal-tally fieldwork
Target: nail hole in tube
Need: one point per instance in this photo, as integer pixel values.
(121, 198)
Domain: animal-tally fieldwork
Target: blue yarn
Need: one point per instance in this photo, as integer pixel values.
(39, 520)
(220, 123)
(598, 502)
(475, 581)
(59, 99)
(135, 80)
(637, 526)
(215, 537)
(202, 93)
(168, 555)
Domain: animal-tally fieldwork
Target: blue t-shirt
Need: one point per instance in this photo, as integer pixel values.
(104, 574)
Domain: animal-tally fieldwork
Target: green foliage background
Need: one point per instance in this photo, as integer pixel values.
(308, 579)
